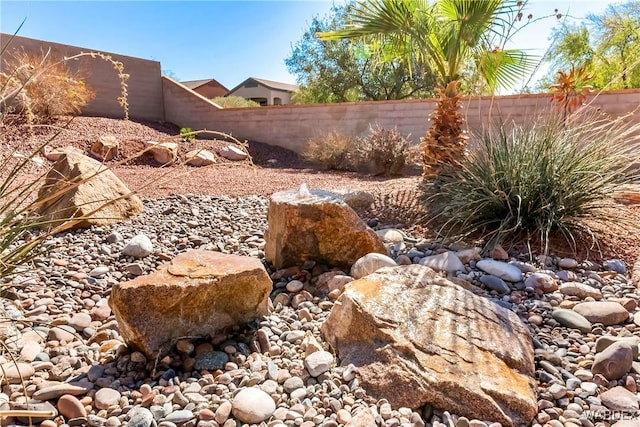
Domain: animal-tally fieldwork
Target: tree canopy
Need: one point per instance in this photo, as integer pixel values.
(608, 44)
(342, 70)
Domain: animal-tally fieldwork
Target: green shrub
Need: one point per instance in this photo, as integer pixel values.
(382, 151)
(540, 178)
(333, 150)
(187, 134)
(234, 102)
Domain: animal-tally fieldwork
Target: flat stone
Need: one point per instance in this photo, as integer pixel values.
(211, 360)
(319, 362)
(567, 263)
(505, 271)
(180, 417)
(446, 261)
(80, 321)
(614, 361)
(571, 319)
(390, 235)
(418, 338)
(607, 313)
(370, 263)
(580, 290)
(619, 399)
(56, 390)
(199, 158)
(222, 413)
(252, 405)
(14, 373)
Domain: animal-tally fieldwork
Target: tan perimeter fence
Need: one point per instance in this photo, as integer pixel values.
(159, 98)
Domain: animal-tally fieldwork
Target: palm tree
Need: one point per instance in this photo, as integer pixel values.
(449, 35)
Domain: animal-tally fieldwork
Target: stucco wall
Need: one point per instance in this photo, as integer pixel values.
(291, 126)
(144, 83)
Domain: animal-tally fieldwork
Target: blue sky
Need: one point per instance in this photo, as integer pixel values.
(225, 40)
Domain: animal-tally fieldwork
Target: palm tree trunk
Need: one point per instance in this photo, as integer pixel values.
(445, 142)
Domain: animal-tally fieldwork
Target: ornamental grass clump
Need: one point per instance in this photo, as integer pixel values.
(538, 180)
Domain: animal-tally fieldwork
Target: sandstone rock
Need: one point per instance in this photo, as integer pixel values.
(54, 391)
(498, 253)
(164, 153)
(317, 226)
(363, 418)
(605, 312)
(105, 148)
(446, 261)
(417, 338)
(505, 271)
(370, 263)
(80, 188)
(233, 153)
(200, 158)
(580, 290)
(614, 361)
(252, 405)
(198, 293)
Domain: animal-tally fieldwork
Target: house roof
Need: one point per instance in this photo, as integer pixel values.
(193, 84)
(268, 84)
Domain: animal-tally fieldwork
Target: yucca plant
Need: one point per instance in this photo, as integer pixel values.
(538, 179)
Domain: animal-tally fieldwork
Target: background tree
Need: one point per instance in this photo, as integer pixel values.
(338, 71)
(607, 44)
(448, 35)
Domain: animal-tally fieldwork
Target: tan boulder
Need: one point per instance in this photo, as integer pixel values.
(105, 148)
(81, 188)
(200, 158)
(418, 338)
(316, 225)
(197, 294)
(164, 153)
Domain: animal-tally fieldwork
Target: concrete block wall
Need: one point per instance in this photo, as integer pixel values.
(144, 83)
(185, 107)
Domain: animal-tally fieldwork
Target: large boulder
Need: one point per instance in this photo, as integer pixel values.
(197, 294)
(80, 192)
(316, 225)
(418, 338)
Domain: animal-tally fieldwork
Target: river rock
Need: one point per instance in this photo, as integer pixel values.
(252, 406)
(318, 362)
(81, 188)
(370, 263)
(316, 225)
(614, 361)
(71, 407)
(606, 340)
(580, 290)
(446, 261)
(505, 271)
(571, 319)
(139, 246)
(14, 373)
(418, 338)
(619, 399)
(605, 312)
(541, 281)
(197, 294)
